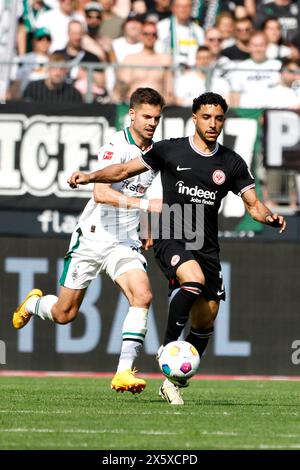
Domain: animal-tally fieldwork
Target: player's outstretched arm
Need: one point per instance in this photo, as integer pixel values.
(104, 194)
(110, 174)
(78, 177)
(260, 212)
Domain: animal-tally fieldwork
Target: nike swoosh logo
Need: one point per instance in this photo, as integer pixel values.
(220, 292)
(180, 324)
(179, 168)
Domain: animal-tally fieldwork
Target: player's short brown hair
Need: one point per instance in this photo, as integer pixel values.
(146, 96)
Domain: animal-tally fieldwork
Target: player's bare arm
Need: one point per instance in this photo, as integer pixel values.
(260, 212)
(104, 194)
(110, 174)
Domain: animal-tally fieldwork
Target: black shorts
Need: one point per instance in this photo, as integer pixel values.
(170, 254)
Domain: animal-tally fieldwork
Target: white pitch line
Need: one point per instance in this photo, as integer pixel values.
(98, 412)
(108, 413)
(125, 413)
(38, 412)
(84, 431)
(278, 446)
(219, 433)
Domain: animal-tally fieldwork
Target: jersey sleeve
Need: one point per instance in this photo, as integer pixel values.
(109, 154)
(153, 159)
(155, 189)
(242, 177)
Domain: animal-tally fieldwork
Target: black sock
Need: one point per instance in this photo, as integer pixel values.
(199, 338)
(179, 310)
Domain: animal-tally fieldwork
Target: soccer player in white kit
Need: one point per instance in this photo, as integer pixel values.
(106, 240)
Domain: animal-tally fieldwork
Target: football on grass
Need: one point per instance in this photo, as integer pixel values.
(179, 360)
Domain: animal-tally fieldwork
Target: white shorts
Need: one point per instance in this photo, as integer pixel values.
(88, 258)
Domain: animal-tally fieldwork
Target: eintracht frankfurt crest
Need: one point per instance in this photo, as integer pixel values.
(218, 177)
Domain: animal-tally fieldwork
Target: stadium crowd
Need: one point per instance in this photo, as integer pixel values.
(102, 50)
(246, 50)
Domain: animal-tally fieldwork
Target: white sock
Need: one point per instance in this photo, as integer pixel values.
(41, 306)
(134, 331)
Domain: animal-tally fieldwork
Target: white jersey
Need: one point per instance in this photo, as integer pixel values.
(251, 79)
(107, 223)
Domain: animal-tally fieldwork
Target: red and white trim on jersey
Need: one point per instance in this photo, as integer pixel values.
(192, 290)
(250, 186)
(140, 157)
(191, 140)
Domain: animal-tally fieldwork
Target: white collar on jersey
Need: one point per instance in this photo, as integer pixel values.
(191, 140)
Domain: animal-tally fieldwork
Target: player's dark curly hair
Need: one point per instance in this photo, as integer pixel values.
(146, 96)
(209, 98)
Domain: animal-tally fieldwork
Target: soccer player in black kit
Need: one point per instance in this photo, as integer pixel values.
(195, 171)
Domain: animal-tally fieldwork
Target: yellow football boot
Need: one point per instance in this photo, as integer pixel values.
(20, 316)
(127, 381)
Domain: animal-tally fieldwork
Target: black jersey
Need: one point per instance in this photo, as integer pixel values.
(190, 177)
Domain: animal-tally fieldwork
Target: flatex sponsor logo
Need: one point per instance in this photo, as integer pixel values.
(198, 194)
(55, 222)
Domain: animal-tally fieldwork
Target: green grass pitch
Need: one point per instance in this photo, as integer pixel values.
(75, 413)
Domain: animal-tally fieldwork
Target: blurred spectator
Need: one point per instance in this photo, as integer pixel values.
(194, 82)
(284, 94)
(122, 8)
(286, 11)
(9, 14)
(226, 25)
(205, 12)
(252, 77)
(277, 48)
(238, 8)
(250, 6)
(295, 42)
(28, 24)
(31, 66)
(51, 3)
(53, 89)
(243, 32)
(213, 40)
(159, 10)
(138, 6)
(180, 35)
(93, 40)
(57, 22)
(112, 24)
(75, 54)
(130, 42)
(79, 6)
(159, 79)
